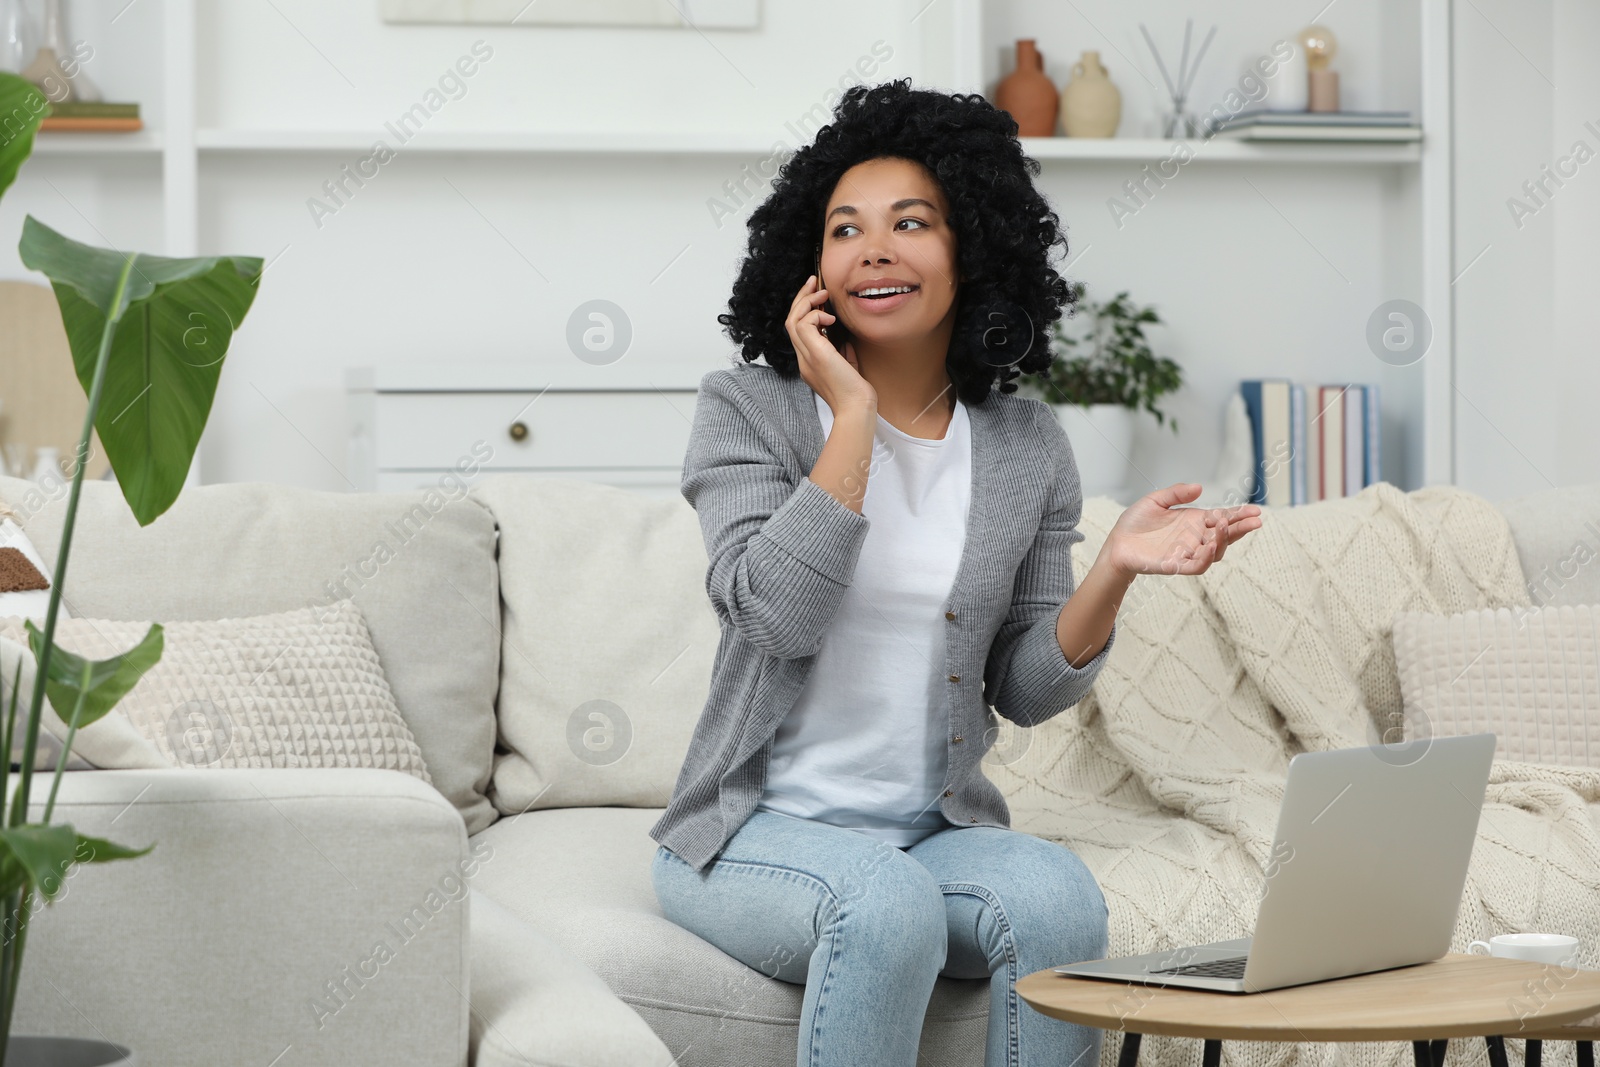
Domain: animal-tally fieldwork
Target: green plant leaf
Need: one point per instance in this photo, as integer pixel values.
(103, 851)
(22, 108)
(173, 321)
(109, 680)
(1119, 367)
(40, 856)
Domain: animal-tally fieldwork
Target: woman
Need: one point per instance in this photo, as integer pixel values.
(889, 538)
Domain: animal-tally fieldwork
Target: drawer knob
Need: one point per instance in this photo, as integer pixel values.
(519, 431)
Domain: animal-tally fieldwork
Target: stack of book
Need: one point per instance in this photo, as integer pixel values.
(1261, 125)
(93, 117)
(1299, 459)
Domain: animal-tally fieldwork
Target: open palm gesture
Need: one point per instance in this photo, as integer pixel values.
(1155, 535)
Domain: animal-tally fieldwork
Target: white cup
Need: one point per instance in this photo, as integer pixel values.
(1539, 948)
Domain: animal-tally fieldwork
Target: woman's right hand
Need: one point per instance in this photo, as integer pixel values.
(834, 377)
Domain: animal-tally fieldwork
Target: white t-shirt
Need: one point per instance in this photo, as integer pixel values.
(863, 747)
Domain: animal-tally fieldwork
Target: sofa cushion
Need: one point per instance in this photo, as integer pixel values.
(535, 1005)
(419, 565)
(299, 688)
(1528, 675)
(582, 876)
(608, 642)
(1557, 532)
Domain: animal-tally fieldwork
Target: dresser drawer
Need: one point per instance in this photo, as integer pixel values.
(551, 431)
(653, 483)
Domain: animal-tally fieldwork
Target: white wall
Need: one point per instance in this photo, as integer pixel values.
(462, 257)
(441, 258)
(1575, 383)
(1527, 368)
(1259, 270)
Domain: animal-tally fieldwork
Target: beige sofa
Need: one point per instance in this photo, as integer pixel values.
(514, 899)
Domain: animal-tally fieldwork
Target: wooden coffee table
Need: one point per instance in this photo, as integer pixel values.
(1584, 1032)
(1427, 1005)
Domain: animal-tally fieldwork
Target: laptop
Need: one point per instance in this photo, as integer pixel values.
(1366, 872)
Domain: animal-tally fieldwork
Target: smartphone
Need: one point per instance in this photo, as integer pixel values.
(835, 333)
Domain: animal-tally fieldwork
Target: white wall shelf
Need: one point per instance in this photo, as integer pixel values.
(630, 374)
(510, 141)
(1265, 260)
(62, 143)
(1138, 149)
(1115, 149)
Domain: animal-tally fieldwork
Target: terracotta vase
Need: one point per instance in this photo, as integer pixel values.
(1090, 105)
(1028, 95)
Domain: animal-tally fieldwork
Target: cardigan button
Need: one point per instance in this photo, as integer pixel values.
(972, 818)
(949, 792)
(955, 677)
(950, 615)
(957, 739)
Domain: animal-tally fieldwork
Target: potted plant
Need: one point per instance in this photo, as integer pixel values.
(1100, 376)
(147, 335)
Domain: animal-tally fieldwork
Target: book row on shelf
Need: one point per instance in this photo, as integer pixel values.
(96, 117)
(1264, 125)
(1311, 444)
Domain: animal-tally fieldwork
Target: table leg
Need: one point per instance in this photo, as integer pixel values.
(1497, 1051)
(1585, 1054)
(1430, 1053)
(1534, 1053)
(1213, 1055)
(1130, 1051)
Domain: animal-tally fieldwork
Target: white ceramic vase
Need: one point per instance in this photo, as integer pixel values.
(1102, 445)
(18, 42)
(47, 467)
(1091, 106)
(1289, 87)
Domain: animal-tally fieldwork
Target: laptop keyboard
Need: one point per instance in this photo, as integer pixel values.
(1232, 967)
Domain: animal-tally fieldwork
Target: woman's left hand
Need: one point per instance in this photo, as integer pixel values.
(1154, 535)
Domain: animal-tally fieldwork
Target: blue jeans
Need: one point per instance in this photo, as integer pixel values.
(867, 927)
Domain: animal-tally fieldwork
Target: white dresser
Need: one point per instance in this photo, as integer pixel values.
(625, 424)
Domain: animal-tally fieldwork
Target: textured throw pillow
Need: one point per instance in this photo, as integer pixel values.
(300, 688)
(1531, 676)
(109, 743)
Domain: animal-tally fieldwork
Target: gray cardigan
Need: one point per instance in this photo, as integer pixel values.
(782, 551)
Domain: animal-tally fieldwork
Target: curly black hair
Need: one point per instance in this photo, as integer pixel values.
(1005, 230)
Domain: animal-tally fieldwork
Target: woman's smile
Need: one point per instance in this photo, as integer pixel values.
(878, 296)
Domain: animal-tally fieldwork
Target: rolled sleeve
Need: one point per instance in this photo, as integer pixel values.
(781, 551)
(1047, 680)
(815, 529)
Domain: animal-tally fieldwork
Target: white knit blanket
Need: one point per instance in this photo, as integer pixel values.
(1168, 778)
